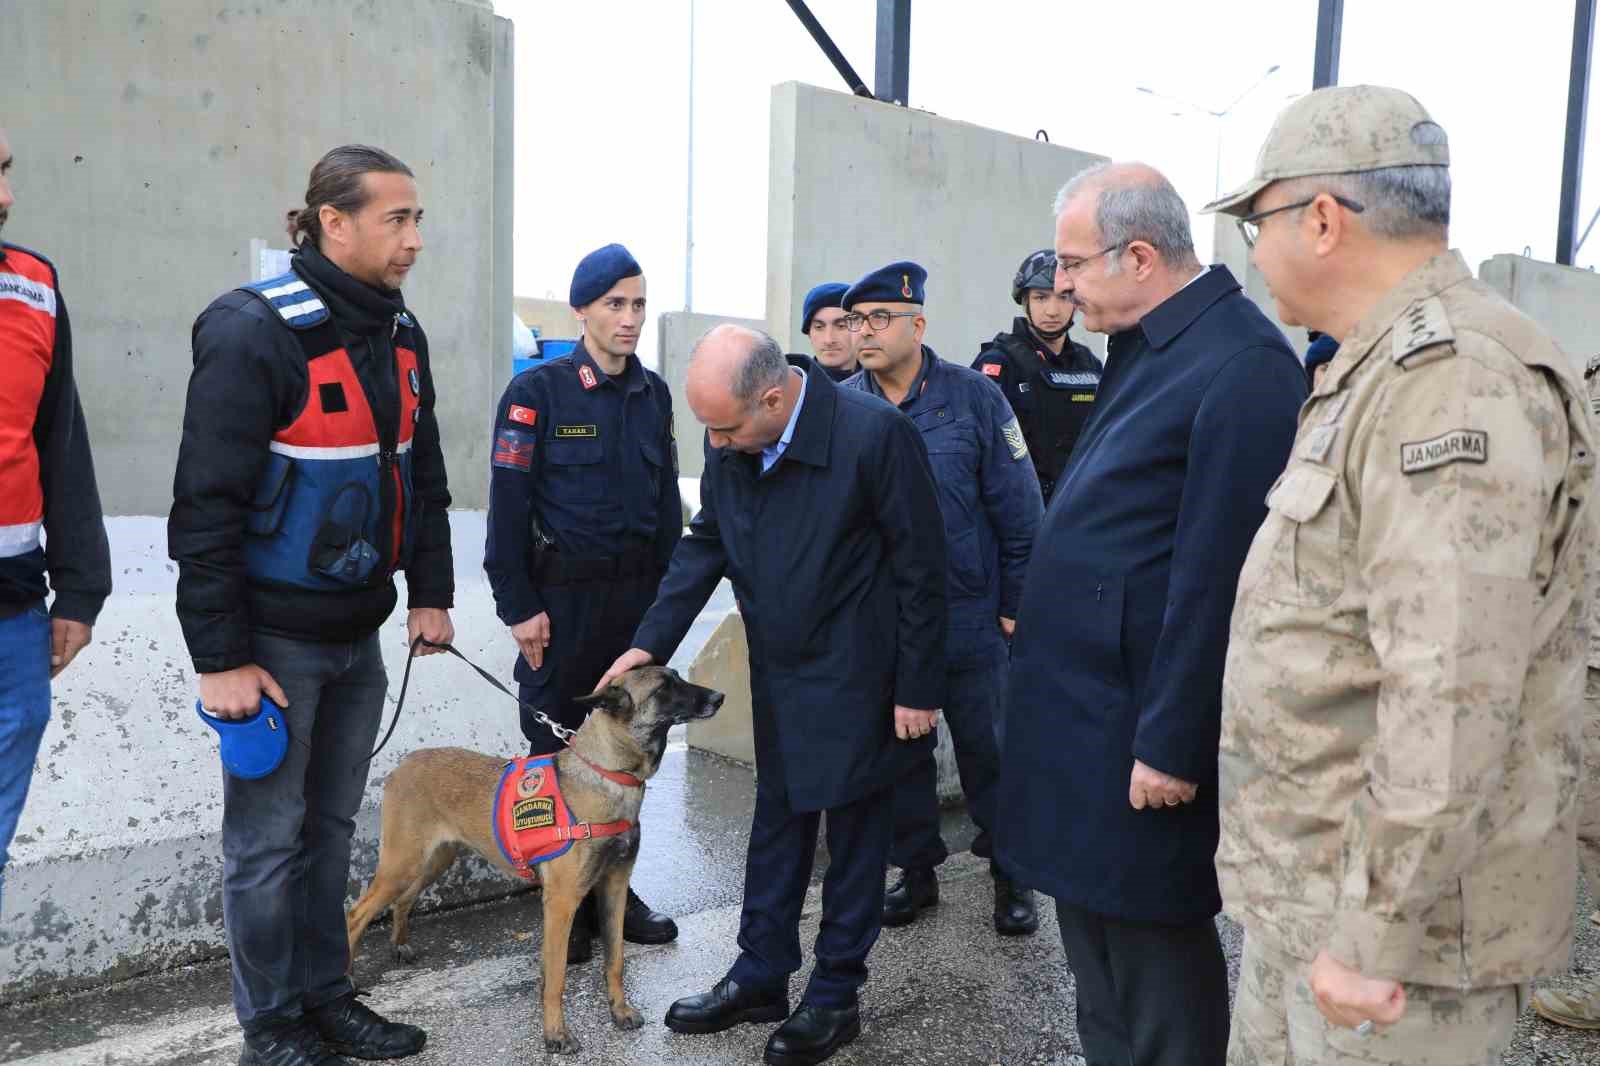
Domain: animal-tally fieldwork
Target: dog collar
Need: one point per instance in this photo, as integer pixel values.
(625, 780)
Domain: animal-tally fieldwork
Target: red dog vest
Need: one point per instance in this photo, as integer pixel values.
(532, 823)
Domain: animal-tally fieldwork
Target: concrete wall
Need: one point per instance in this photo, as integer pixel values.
(1562, 299)
(553, 318)
(856, 184)
(677, 331)
(155, 140)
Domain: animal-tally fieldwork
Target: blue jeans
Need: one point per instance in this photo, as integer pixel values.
(286, 836)
(24, 710)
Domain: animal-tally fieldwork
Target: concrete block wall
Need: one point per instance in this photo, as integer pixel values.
(154, 140)
(677, 331)
(553, 318)
(1562, 299)
(856, 184)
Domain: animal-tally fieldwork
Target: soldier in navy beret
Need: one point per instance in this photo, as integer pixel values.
(583, 516)
(989, 498)
(822, 321)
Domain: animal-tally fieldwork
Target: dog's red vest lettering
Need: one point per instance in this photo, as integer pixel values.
(532, 823)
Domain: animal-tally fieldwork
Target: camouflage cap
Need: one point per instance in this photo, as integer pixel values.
(1341, 130)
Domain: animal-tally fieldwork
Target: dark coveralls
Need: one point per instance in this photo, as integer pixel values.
(1051, 394)
(837, 559)
(990, 501)
(583, 514)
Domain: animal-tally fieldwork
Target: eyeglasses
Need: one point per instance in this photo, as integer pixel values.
(1250, 225)
(879, 319)
(1072, 266)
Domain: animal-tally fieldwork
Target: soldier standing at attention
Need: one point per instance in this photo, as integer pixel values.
(1399, 758)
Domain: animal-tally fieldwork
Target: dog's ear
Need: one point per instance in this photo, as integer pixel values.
(614, 699)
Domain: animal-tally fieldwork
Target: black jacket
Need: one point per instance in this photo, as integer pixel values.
(1051, 394)
(249, 381)
(837, 558)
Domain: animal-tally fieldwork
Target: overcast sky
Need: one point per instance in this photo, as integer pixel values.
(602, 94)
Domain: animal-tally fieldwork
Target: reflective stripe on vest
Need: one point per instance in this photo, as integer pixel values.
(27, 350)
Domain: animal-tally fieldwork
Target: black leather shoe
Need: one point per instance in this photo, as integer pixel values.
(812, 1034)
(1015, 912)
(287, 1044)
(727, 1004)
(915, 891)
(585, 927)
(350, 1027)
(641, 925)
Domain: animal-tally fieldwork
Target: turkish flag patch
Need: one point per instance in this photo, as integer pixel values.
(513, 450)
(992, 369)
(526, 415)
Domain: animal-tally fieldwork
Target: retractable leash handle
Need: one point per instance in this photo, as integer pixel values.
(251, 747)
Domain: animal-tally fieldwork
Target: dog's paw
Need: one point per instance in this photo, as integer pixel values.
(626, 1017)
(407, 954)
(561, 1043)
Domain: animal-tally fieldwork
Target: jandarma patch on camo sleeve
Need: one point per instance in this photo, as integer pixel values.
(1457, 446)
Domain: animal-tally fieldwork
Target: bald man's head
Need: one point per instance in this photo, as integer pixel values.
(739, 385)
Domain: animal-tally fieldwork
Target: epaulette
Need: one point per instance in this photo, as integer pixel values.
(1423, 328)
(293, 300)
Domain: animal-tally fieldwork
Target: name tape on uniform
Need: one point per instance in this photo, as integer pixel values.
(1457, 446)
(577, 431)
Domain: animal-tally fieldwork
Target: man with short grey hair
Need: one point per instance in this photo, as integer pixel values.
(1399, 751)
(819, 503)
(1108, 776)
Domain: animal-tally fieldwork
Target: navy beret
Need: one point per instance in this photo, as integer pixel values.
(599, 270)
(899, 282)
(1321, 351)
(828, 294)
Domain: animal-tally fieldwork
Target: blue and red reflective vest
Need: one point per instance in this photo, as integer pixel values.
(334, 508)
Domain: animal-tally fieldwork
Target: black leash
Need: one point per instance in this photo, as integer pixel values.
(561, 731)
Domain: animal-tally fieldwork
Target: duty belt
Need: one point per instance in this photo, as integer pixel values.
(555, 568)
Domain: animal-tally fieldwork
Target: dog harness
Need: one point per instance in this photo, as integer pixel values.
(532, 822)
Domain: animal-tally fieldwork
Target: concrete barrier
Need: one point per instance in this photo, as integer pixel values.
(1562, 299)
(117, 865)
(676, 333)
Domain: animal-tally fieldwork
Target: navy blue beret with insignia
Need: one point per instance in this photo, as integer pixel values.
(828, 294)
(599, 270)
(899, 283)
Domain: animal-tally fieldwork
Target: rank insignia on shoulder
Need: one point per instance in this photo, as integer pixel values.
(1457, 446)
(1423, 325)
(513, 450)
(992, 369)
(1015, 440)
(586, 375)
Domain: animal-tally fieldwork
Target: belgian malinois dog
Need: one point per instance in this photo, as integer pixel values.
(440, 798)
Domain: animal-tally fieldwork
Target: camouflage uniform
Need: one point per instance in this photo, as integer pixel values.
(1399, 759)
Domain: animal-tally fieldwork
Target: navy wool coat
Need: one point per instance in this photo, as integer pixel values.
(1123, 628)
(837, 558)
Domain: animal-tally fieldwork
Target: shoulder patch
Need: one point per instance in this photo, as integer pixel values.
(513, 450)
(526, 415)
(292, 299)
(1423, 325)
(992, 369)
(1015, 440)
(1457, 446)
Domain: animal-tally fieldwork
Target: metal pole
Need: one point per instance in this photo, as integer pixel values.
(1330, 32)
(829, 49)
(892, 74)
(1577, 116)
(688, 240)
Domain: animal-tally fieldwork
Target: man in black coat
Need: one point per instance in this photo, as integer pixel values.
(819, 503)
(1109, 774)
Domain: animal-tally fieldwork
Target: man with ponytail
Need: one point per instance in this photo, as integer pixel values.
(309, 474)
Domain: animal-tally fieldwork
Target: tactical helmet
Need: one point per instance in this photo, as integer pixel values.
(1038, 271)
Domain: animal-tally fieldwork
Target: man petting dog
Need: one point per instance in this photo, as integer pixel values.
(583, 514)
(819, 503)
(309, 474)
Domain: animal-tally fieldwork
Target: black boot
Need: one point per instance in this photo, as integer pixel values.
(350, 1027)
(916, 890)
(727, 1004)
(641, 925)
(287, 1043)
(1015, 912)
(585, 926)
(813, 1034)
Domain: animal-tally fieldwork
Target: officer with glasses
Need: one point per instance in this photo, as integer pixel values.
(989, 497)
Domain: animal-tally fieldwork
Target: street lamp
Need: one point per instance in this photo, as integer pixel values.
(1216, 114)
